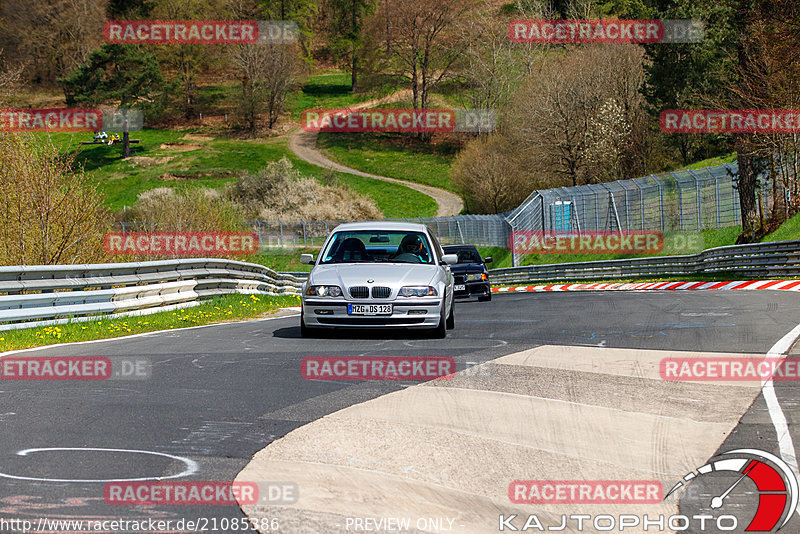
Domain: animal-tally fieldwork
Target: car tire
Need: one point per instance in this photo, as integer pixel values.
(304, 330)
(486, 298)
(440, 331)
(451, 319)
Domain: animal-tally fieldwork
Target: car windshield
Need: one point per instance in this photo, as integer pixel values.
(378, 247)
(465, 255)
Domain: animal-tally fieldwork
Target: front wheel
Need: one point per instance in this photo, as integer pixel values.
(451, 319)
(304, 330)
(441, 329)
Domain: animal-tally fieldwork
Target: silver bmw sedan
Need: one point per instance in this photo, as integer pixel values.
(378, 275)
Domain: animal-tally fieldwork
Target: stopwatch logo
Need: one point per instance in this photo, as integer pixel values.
(777, 485)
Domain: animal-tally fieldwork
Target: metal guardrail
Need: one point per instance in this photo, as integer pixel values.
(761, 260)
(40, 295)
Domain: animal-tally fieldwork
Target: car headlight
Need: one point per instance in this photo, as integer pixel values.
(418, 291)
(324, 291)
(476, 276)
(483, 276)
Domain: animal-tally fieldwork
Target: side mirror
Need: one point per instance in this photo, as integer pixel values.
(307, 259)
(487, 259)
(450, 259)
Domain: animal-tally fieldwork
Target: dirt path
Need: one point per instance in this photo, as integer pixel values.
(304, 146)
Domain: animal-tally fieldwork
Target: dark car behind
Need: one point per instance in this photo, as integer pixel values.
(470, 273)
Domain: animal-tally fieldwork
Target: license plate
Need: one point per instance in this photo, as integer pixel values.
(460, 287)
(369, 309)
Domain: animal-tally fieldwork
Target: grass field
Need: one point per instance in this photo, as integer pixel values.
(394, 155)
(216, 310)
(332, 91)
(168, 158)
(710, 162)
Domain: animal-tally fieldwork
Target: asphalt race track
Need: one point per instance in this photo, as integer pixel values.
(218, 395)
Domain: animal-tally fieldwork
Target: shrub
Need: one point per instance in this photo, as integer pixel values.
(50, 213)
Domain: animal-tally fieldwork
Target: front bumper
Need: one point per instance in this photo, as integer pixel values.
(479, 288)
(406, 313)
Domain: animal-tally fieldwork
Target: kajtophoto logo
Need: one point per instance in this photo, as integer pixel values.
(747, 486)
(775, 483)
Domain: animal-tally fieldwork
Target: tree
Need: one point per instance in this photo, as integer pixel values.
(187, 60)
(422, 42)
(124, 74)
(50, 37)
(347, 31)
(584, 104)
(301, 12)
(747, 59)
(267, 73)
(490, 65)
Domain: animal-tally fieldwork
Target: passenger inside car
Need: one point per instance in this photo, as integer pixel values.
(351, 249)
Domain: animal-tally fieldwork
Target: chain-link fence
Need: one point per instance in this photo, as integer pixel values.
(680, 201)
(481, 230)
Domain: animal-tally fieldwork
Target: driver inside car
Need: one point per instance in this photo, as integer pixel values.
(411, 249)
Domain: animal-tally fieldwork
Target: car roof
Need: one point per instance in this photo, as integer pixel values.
(380, 226)
(456, 247)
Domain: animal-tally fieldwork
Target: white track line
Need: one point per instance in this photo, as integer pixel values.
(785, 442)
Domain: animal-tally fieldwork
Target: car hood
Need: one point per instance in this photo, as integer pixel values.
(356, 274)
(466, 268)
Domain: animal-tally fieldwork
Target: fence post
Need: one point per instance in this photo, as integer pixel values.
(627, 205)
(680, 201)
(660, 199)
(697, 187)
(716, 197)
(281, 240)
(305, 242)
(641, 200)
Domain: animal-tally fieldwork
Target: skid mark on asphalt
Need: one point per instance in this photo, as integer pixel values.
(450, 448)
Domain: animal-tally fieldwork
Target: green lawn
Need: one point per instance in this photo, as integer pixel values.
(392, 154)
(710, 162)
(332, 91)
(212, 164)
(217, 310)
(283, 260)
(789, 230)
